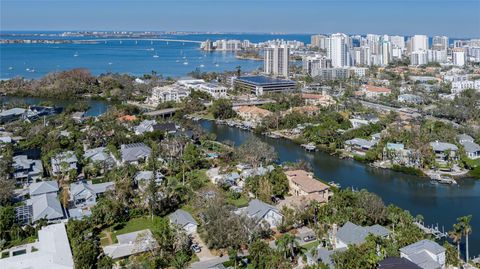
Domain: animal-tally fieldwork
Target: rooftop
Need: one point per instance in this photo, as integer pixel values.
(264, 80)
(181, 218)
(354, 234)
(306, 181)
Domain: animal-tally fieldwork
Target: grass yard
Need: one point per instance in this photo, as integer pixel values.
(240, 202)
(109, 235)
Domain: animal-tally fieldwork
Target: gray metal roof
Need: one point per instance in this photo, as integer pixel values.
(134, 152)
(131, 243)
(465, 137)
(43, 187)
(397, 263)
(470, 147)
(258, 209)
(64, 157)
(422, 245)
(12, 112)
(443, 146)
(181, 218)
(354, 234)
(360, 142)
(46, 206)
(96, 154)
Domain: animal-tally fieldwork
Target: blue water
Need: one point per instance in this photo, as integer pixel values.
(438, 204)
(175, 59)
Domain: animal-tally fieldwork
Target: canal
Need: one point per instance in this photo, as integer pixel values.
(440, 204)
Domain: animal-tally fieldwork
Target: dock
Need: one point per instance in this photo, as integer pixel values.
(433, 230)
(309, 147)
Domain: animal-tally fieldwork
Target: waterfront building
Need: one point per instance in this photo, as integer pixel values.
(302, 182)
(259, 85)
(425, 253)
(337, 50)
(252, 114)
(276, 58)
(352, 234)
(170, 93)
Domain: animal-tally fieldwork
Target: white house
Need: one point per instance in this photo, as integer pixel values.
(426, 253)
(184, 220)
(51, 250)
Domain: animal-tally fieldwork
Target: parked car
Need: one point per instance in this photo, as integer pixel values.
(196, 248)
(309, 238)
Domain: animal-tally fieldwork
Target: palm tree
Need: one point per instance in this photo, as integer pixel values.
(466, 230)
(456, 236)
(287, 244)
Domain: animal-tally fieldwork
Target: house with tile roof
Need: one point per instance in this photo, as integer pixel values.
(302, 182)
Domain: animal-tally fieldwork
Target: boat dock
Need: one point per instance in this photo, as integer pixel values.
(433, 230)
(309, 147)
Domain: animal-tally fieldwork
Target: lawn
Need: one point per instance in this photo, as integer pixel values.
(240, 202)
(307, 247)
(133, 225)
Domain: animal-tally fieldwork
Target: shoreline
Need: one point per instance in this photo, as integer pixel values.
(340, 154)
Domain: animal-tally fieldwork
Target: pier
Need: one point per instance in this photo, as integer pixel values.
(433, 230)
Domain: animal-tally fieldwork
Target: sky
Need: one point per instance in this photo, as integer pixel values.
(455, 18)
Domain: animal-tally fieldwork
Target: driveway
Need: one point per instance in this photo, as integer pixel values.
(205, 254)
(208, 263)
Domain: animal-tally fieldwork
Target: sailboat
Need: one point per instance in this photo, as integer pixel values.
(76, 54)
(155, 56)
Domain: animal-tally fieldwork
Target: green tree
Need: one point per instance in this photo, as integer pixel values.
(466, 230)
(222, 109)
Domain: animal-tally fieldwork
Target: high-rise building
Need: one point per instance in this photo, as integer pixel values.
(440, 43)
(419, 57)
(318, 41)
(458, 57)
(276, 58)
(398, 42)
(311, 63)
(386, 52)
(337, 50)
(362, 56)
(419, 42)
(439, 56)
(373, 42)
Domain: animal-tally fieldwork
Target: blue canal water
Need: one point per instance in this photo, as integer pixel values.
(440, 204)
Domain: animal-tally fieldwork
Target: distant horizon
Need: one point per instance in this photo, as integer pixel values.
(233, 32)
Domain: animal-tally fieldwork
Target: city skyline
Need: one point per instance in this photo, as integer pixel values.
(458, 19)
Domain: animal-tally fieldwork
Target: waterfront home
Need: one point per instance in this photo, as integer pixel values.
(134, 153)
(262, 213)
(444, 151)
(260, 85)
(323, 100)
(144, 126)
(397, 263)
(183, 220)
(11, 114)
(472, 149)
(78, 116)
(252, 114)
(399, 155)
(51, 250)
(100, 156)
(352, 234)
(427, 254)
(359, 146)
(362, 120)
(64, 162)
(302, 182)
(84, 193)
(130, 244)
(26, 170)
